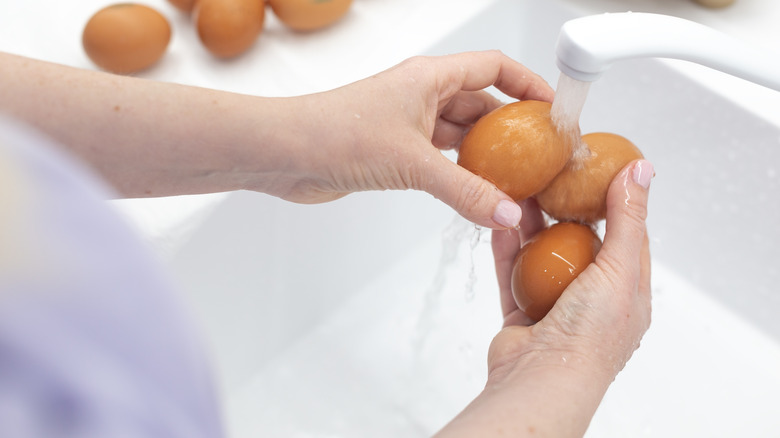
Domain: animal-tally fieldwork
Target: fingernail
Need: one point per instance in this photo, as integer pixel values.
(642, 173)
(507, 214)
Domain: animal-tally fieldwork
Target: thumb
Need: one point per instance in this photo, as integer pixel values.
(626, 213)
(472, 196)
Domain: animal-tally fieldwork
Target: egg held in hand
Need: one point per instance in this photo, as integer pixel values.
(126, 37)
(516, 147)
(548, 263)
(579, 191)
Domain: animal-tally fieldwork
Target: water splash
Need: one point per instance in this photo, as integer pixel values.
(447, 340)
(476, 237)
(458, 237)
(455, 233)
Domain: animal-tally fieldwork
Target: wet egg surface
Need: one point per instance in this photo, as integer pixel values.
(548, 263)
(516, 147)
(579, 191)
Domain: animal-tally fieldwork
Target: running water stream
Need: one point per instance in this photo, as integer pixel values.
(570, 97)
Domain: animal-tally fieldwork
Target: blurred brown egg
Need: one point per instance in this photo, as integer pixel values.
(306, 15)
(579, 192)
(516, 147)
(126, 37)
(183, 5)
(548, 263)
(228, 28)
(715, 3)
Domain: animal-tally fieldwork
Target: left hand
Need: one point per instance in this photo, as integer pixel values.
(386, 132)
(149, 138)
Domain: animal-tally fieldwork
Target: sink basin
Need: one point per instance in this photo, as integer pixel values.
(371, 316)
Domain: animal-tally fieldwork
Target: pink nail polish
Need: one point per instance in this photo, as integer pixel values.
(507, 214)
(642, 173)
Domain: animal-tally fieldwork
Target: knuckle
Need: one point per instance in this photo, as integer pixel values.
(414, 62)
(472, 196)
(638, 210)
(616, 270)
(630, 213)
(498, 53)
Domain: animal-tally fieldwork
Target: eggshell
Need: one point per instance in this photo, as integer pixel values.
(228, 28)
(126, 37)
(548, 263)
(516, 147)
(715, 3)
(579, 191)
(307, 15)
(183, 5)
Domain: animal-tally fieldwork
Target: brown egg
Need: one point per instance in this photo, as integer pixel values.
(579, 192)
(516, 147)
(126, 37)
(183, 5)
(715, 3)
(548, 263)
(228, 28)
(306, 15)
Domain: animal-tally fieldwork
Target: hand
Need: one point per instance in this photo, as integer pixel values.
(549, 377)
(606, 310)
(150, 138)
(386, 132)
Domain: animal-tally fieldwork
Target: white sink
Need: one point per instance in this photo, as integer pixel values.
(371, 316)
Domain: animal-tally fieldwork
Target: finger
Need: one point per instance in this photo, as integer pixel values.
(466, 107)
(533, 220)
(448, 135)
(473, 71)
(458, 116)
(471, 196)
(505, 244)
(644, 269)
(625, 233)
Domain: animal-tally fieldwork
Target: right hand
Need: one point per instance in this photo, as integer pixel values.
(603, 314)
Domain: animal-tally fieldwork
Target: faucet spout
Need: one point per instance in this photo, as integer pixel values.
(588, 46)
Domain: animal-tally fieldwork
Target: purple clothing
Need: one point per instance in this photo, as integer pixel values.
(94, 342)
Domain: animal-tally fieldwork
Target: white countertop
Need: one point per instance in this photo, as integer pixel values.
(375, 35)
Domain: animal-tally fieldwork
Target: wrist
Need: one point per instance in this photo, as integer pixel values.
(533, 389)
(540, 394)
(518, 350)
(267, 144)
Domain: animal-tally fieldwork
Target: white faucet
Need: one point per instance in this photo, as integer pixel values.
(588, 46)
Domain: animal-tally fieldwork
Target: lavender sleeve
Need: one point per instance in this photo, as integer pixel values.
(94, 340)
